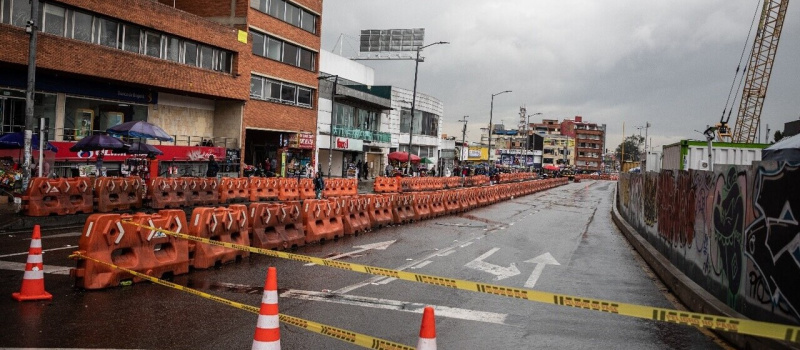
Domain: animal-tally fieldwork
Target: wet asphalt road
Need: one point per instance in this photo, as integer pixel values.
(569, 227)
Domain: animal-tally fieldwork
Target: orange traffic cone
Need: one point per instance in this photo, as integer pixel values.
(427, 333)
(33, 280)
(268, 335)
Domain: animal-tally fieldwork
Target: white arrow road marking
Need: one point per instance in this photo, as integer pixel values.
(17, 266)
(499, 271)
(360, 249)
(397, 305)
(540, 261)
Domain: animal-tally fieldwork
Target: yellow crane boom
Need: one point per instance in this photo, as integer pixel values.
(759, 69)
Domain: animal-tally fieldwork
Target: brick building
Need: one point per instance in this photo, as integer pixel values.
(239, 74)
(589, 142)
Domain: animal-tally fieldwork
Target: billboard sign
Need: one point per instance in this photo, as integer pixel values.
(392, 40)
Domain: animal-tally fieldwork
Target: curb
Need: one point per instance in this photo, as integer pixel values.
(688, 292)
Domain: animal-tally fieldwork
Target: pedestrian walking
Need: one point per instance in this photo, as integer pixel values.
(365, 169)
(389, 169)
(213, 167)
(319, 185)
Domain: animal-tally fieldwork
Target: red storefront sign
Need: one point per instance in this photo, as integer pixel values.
(178, 153)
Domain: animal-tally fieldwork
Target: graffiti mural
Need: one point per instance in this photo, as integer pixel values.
(734, 231)
(676, 208)
(650, 200)
(729, 222)
(773, 240)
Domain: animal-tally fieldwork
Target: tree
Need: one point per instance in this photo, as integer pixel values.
(632, 146)
(778, 135)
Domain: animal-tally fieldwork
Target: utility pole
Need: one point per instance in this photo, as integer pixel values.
(32, 29)
(463, 138)
(646, 150)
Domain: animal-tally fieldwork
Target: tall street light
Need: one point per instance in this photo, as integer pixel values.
(414, 99)
(528, 125)
(491, 110)
(463, 138)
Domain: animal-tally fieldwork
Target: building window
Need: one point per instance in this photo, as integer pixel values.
(130, 41)
(82, 26)
(277, 91)
(272, 48)
(287, 12)
(206, 57)
(190, 54)
(54, 19)
(107, 33)
(152, 44)
(173, 49)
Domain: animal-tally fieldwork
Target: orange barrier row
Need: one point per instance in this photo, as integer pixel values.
(234, 189)
(110, 238)
(118, 193)
(386, 184)
(276, 225)
(515, 177)
(201, 191)
(322, 220)
(340, 187)
(58, 197)
(107, 237)
(167, 192)
(597, 177)
(220, 224)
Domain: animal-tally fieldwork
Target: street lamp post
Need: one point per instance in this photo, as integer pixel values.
(491, 110)
(527, 125)
(463, 138)
(333, 109)
(414, 99)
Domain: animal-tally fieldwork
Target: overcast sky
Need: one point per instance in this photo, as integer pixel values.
(667, 62)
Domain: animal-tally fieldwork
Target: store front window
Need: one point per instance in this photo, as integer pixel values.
(85, 116)
(12, 110)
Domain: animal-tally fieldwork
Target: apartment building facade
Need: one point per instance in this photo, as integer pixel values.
(589, 143)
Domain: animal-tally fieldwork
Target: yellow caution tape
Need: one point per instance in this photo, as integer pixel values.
(719, 323)
(333, 332)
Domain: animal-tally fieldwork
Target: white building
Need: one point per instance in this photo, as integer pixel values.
(356, 130)
(428, 112)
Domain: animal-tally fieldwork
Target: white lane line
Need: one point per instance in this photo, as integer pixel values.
(385, 280)
(386, 304)
(43, 251)
(16, 266)
(465, 244)
(422, 264)
(69, 234)
(446, 253)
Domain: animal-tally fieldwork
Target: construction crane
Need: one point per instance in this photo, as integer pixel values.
(757, 75)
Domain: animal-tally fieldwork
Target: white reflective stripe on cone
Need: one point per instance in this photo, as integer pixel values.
(34, 258)
(270, 297)
(33, 275)
(426, 344)
(36, 243)
(272, 345)
(268, 322)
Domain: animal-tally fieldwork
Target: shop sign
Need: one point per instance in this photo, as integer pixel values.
(177, 153)
(478, 153)
(302, 141)
(343, 143)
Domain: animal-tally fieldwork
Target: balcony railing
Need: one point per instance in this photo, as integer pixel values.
(366, 135)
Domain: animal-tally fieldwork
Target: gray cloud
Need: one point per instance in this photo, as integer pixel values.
(669, 62)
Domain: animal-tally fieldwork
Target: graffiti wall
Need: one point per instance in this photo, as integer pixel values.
(733, 231)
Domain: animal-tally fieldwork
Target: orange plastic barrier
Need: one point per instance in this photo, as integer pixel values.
(288, 189)
(402, 208)
(306, 189)
(349, 187)
(422, 209)
(201, 191)
(219, 224)
(386, 185)
(321, 221)
(117, 193)
(263, 221)
(350, 210)
(234, 189)
(57, 197)
(290, 224)
(452, 201)
(258, 189)
(437, 204)
(167, 193)
(110, 238)
(380, 210)
(332, 188)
